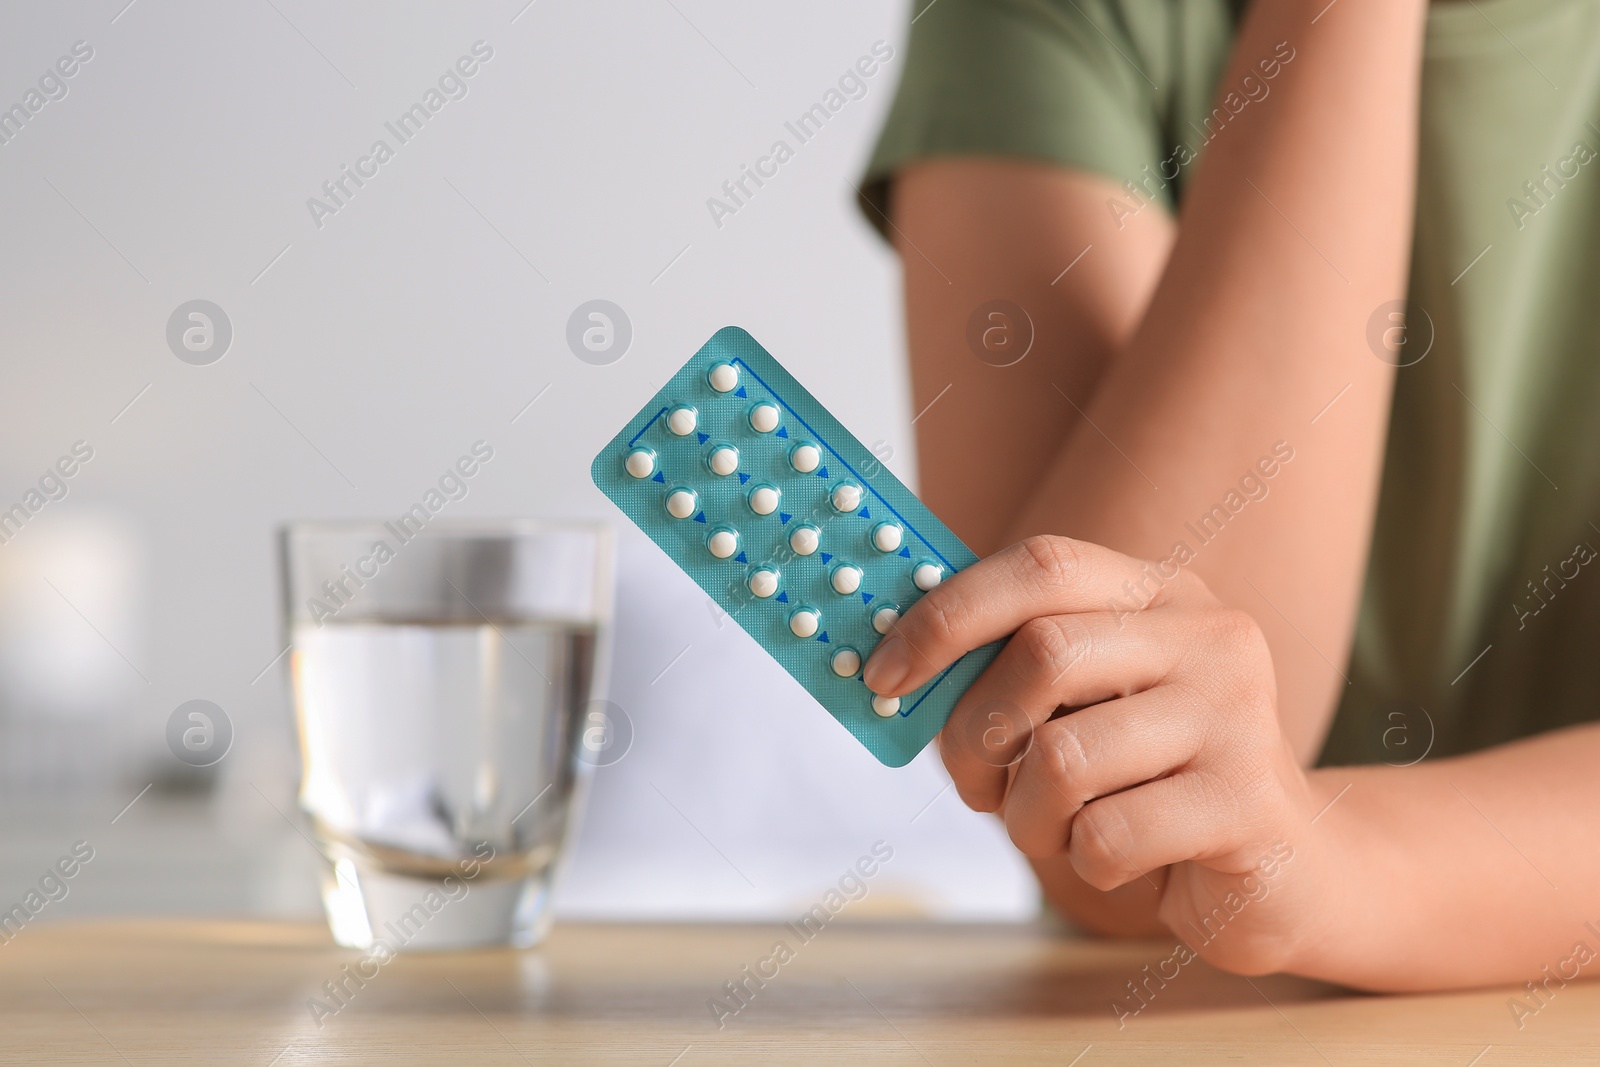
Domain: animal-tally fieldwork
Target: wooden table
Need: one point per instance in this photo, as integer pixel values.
(902, 993)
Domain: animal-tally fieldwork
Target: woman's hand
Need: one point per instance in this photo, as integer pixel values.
(1131, 724)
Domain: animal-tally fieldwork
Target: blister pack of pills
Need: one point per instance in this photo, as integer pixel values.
(794, 528)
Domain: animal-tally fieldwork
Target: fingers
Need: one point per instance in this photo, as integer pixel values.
(1036, 577)
(1190, 816)
(1071, 660)
(1094, 753)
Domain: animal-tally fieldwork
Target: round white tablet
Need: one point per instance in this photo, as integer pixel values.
(805, 622)
(927, 575)
(846, 497)
(641, 463)
(846, 578)
(886, 537)
(764, 582)
(845, 662)
(805, 457)
(763, 500)
(886, 706)
(884, 618)
(764, 418)
(724, 377)
(724, 460)
(681, 503)
(722, 543)
(805, 539)
(682, 420)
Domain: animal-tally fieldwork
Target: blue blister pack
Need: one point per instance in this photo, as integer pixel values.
(793, 527)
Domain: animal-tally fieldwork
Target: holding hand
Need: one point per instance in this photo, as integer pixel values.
(1141, 741)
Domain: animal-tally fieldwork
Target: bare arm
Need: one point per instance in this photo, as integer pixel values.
(1461, 872)
(1296, 226)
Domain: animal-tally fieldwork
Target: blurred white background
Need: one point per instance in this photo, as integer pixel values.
(372, 350)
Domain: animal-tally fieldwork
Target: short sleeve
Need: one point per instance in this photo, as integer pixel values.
(1087, 84)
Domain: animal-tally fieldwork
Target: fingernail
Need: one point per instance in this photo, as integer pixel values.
(887, 666)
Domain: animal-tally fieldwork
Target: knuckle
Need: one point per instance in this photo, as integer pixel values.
(1069, 765)
(1098, 846)
(1052, 645)
(1055, 560)
(1235, 637)
(941, 615)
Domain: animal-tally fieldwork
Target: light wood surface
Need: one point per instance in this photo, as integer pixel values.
(891, 993)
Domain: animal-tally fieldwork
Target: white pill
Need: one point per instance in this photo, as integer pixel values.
(764, 418)
(805, 458)
(883, 619)
(845, 662)
(886, 537)
(805, 539)
(763, 583)
(846, 578)
(804, 623)
(681, 502)
(886, 706)
(724, 377)
(724, 460)
(641, 463)
(723, 543)
(763, 500)
(927, 575)
(846, 497)
(682, 421)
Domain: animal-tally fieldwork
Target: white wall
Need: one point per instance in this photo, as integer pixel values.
(416, 321)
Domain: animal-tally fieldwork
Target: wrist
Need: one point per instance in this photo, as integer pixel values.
(1339, 847)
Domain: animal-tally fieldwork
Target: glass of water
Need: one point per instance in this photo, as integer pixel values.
(444, 679)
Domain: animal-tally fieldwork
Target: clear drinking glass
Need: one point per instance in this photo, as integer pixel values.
(442, 673)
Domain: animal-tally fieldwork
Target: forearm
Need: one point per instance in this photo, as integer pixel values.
(1296, 226)
(1477, 870)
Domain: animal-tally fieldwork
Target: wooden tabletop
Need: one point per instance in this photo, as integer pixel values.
(891, 993)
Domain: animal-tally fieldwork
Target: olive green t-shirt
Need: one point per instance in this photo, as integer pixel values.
(1480, 615)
